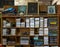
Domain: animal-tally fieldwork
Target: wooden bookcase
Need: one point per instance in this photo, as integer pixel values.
(12, 36)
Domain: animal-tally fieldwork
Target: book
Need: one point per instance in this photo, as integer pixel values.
(22, 9)
(13, 31)
(41, 32)
(31, 31)
(45, 31)
(18, 22)
(32, 22)
(45, 22)
(22, 24)
(51, 10)
(53, 40)
(53, 32)
(52, 22)
(4, 32)
(36, 22)
(32, 8)
(38, 41)
(4, 23)
(41, 21)
(27, 22)
(45, 40)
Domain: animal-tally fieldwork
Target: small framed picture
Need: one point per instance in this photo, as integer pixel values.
(51, 10)
(22, 9)
(32, 8)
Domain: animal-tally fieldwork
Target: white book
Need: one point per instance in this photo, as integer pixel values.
(45, 40)
(41, 21)
(18, 22)
(45, 31)
(31, 31)
(27, 22)
(45, 22)
(32, 22)
(4, 23)
(36, 22)
(4, 32)
(41, 32)
(22, 24)
(13, 31)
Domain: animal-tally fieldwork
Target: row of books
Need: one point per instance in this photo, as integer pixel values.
(32, 22)
(36, 41)
(31, 32)
(30, 46)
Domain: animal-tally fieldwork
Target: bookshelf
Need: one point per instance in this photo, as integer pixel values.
(36, 28)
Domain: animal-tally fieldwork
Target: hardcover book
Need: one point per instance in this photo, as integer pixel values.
(22, 9)
(52, 22)
(51, 10)
(32, 8)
